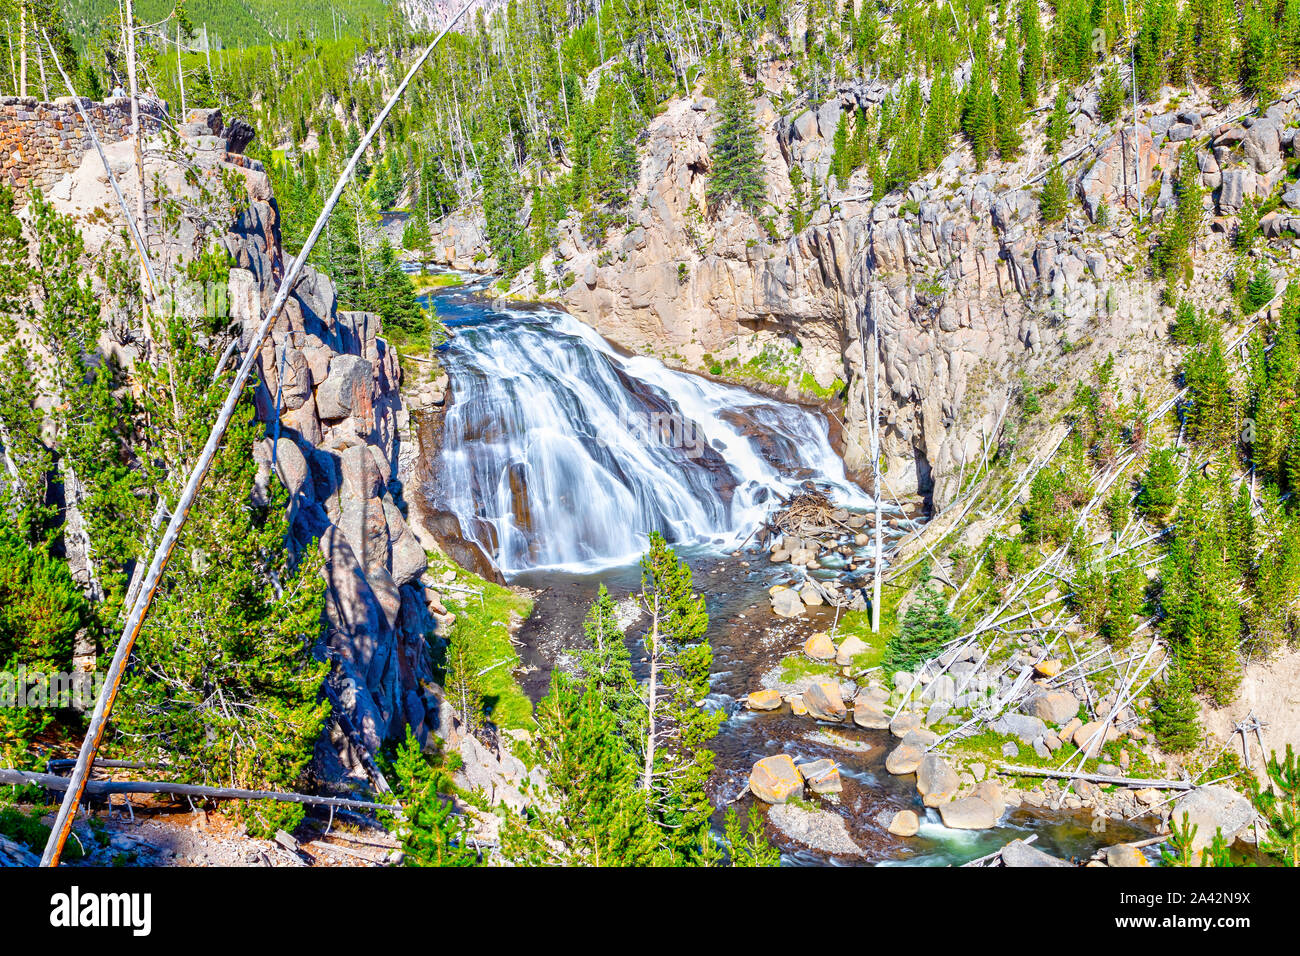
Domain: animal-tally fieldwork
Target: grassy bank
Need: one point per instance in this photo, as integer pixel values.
(484, 614)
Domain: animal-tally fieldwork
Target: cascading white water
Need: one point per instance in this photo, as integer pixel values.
(559, 452)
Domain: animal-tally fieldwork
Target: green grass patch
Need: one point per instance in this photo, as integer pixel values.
(485, 619)
(798, 666)
(809, 386)
(440, 280)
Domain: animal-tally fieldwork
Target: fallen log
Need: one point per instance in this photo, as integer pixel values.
(52, 781)
(1012, 770)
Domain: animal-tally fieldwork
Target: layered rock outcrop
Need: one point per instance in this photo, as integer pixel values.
(327, 387)
(972, 294)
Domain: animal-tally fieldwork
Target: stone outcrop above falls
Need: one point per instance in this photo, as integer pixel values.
(971, 293)
(337, 444)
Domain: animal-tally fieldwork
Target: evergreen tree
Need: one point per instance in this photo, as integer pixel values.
(1010, 106)
(1278, 802)
(1110, 99)
(430, 831)
(1055, 196)
(1159, 486)
(979, 115)
(926, 628)
(749, 846)
(1058, 122)
(736, 162)
(676, 764)
(1175, 715)
(1031, 29)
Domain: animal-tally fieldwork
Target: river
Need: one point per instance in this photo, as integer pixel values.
(559, 453)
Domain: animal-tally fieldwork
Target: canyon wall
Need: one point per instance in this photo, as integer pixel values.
(974, 297)
(338, 442)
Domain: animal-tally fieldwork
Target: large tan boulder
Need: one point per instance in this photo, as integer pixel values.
(820, 647)
(903, 759)
(868, 715)
(763, 700)
(905, 824)
(785, 603)
(775, 779)
(904, 722)
(824, 702)
(968, 813)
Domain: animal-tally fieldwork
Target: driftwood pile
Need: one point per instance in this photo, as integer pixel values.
(810, 514)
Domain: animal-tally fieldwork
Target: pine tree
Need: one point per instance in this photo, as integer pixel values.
(607, 667)
(736, 172)
(926, 628)
(430, 831)
(1110, 99)
(1175, 715)
(1031, 28)
(677, 765)
(1055, 196)
(1058, 122)
(1279, 805)
(749, 846)
(979, 115)
(1010, 106)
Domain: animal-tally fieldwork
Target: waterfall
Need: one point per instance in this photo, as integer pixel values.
(558, 452)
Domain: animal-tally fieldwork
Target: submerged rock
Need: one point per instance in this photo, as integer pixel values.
(820, 829)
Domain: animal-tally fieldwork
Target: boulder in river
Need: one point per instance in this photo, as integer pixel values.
(764, 700)
(1125, 855)
(819, 647)
(775, 779)
(822, 776)
(824, 702)
(785, 602)
(936, 781)
(1020, 853)
(904, 824)
(968, 813)
(811, 595)
(1214, 808)
(904, 759)
(868, 715)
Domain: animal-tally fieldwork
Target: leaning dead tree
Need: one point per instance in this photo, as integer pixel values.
(162, 554)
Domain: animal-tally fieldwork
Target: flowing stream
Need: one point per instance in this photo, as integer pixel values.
(559, 454)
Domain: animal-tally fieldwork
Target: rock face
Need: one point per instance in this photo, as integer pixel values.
(1211, 809)
(336, 446)
(775, 779)
(957, 276)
